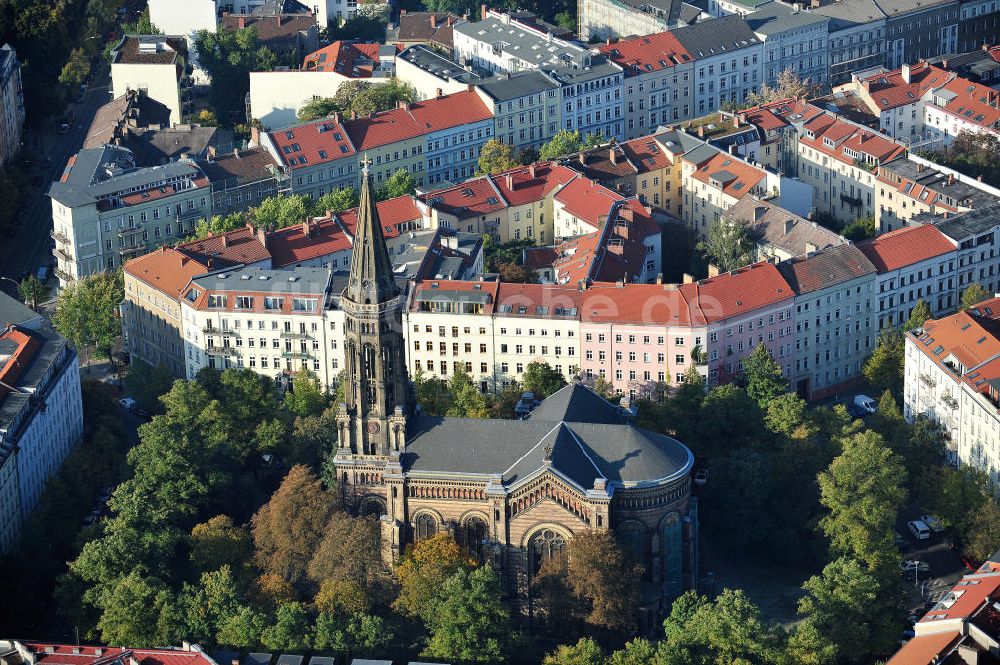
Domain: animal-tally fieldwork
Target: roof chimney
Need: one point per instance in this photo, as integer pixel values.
(241, 21)
(531, 170)
(434, 19)
(920, 168)
(701, 131)
(510, 181)
(905, 73)
(614, 155)
(583, 158)
(483, 11)
(713, 270)
(437, 92)
(788, 226)
(262, 236)
(688, 279)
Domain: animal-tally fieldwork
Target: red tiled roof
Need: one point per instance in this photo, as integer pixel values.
(429, 286)
(275, 28)
(611, 254)
(646, 154)
(308, 240)
(243, 245)
(539, 257)
(736, 177)
(736, 293)
(968, 595)
(530, 297)
(587, 200)
(167, 270)
(88, 655)
(888, 90)
(925, 649)
(19, 359)
(528, 184)
(647, 54)
(974, 103)
(905, 246)
(478, 196)
(317, 142)
(349, 59)
(163, 192)
(656, 304)
(845, 135)
(460, 108)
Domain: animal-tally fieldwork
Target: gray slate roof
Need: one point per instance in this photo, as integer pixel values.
(525, 44)
(776, 18)
(503, 88)
(584, 435)
(436, 64)
(972, 223)
(260, 280)
(775, 226)
(722, 35)
(832, 266)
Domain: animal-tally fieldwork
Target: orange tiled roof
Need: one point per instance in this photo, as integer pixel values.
(974, 103)
(586, 200)
(647, 54)
(735, 177)
(347, 58)
(418, 119)
(888, 90)
(244, 245)
(317, 142)
(736, 293)
(25, 347)
(167, 270)
(906, 246)
(529, 184)
(925, 649)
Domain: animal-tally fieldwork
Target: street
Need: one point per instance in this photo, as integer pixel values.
(30, 247)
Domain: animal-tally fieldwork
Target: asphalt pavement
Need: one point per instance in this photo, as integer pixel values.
(30, 247)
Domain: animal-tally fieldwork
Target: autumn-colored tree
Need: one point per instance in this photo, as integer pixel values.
(425, 567)
(342, 597)
(606, 577)
(219, 542)
(288, 529)
(496, 157)
(349, 550)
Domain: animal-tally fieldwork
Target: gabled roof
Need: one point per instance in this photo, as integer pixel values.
(905, 247)
(736, 293)
(832, 266)
(529, 184)
(727, 34)
(166, 269)
(651, 53)
(478, 196)
(588, 201)
(972, 102)
(347, 58)
(890, 90)
(62, 654)
(772, 225)
(243, 245)
(318, 142)
(730, 174)
(418, 119)
(435, 27)
(827, 129)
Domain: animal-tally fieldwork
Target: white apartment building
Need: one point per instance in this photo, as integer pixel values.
(497, 43)
(41, 412)
(11, 104)
(104, 210)
(155, 64)
(184, 17)
(275, 322)
(952, 376)
(794, 40)
(835, 325)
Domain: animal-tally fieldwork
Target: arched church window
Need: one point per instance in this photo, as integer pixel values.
(426, 526)
(545, 545)
(672, 554)
(473, 534)
(633, 539)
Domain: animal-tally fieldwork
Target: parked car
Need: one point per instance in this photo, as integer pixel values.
(701, 477)
(63, 128)
(933, 523)
(919, 529)
(866, 403)
(913, 564)
(128, 403)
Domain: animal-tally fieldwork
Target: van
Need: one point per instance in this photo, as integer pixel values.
(919, 530)
(42, 274)
(866, 403)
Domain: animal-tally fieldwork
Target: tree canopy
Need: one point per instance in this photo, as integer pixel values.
(87, 311)
(566, 142)
(728, 245)
(496, 157)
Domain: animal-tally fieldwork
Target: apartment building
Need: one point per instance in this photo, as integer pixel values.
(910, 187)
(582, 206)
(658, 80)
(154, 282)
(919, 29)
(430, 71)
(981, 64)
(835, 324)
(431, 29)
(961, 106)
(41, 412)
(794, 40)
(11, 104)
(498, 43)
(607, 19)
(978, 25)
(241, 178)
(839, 161)
(713, 183)
(780, 234)
(274, 322)
(106, 211)
(952, 376)
(527, 106)
(155, 64)
(591, 96)
(317, 157)
(857, 37)
(184, 17)
(728, 61)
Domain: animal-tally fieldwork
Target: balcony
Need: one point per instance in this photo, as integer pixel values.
(64, 276)
(853, 201)
(220, 351)
(59, 236)
(63, 254)
(212, 330)
(140, 245)
(288, 334)
(125, 233)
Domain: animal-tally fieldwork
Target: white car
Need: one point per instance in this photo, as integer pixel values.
(127, 403)
(919, 529)
(919, 566)
(866, 403)
(933, 523)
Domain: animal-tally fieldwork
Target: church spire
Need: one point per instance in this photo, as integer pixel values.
(371, 280)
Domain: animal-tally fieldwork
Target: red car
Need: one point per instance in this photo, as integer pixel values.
(970, 564)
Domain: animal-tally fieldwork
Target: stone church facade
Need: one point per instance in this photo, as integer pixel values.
(513, 493)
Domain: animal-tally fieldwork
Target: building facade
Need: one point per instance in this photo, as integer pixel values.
(156, 65)
(11, 104)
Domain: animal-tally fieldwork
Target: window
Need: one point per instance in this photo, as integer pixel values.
(545, 546)
(272, 302)
(244, 302)
(425, 526)
(303, 304)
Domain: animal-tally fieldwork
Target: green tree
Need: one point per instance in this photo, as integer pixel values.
(382, 97)
(469, 623)
(849, 612)
(319, 107)
(228, 56)
(306, 397)
(541, 379)
(566, 20)
(87, 311)
(786, 414)
(76, 69)
(432, 394)
(144, 26)
(566, 142)
(147, 383)
(728, 419)
(278, 212)
(219, 543)
(217, 225)
(973, 295)
(982, 539)
(289, 527)
(741, 503)
(728, 245)
(243, 629)
(348, 551)
(366, 634)
(291, 630)
(138, 613)
(958, 494)
(763, 378)
(863, 489)
(884, 367)
(32, 291)
(920, 313)
(208, 606)
(423, 572)
(401, 183)
(338, 200)
(512, 273)
(496, 157)
(585, 652)
(860, 229)
(637, 652)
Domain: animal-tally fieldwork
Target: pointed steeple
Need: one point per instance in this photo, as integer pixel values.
(371, 280)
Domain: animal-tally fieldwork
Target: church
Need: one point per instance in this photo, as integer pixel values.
(512, 492)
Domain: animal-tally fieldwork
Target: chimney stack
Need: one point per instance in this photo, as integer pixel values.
(483, 12)
(531, 170)
(701, 131)
(510, 181)
(951, 178)
(713, 270)
(241, 21)
(583, 158)
(437, 93)
(687, 279)
(905, 73)
(732, 149)
(434, 19)
(614, 155)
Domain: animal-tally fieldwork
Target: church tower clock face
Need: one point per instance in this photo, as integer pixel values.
(373, 428)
